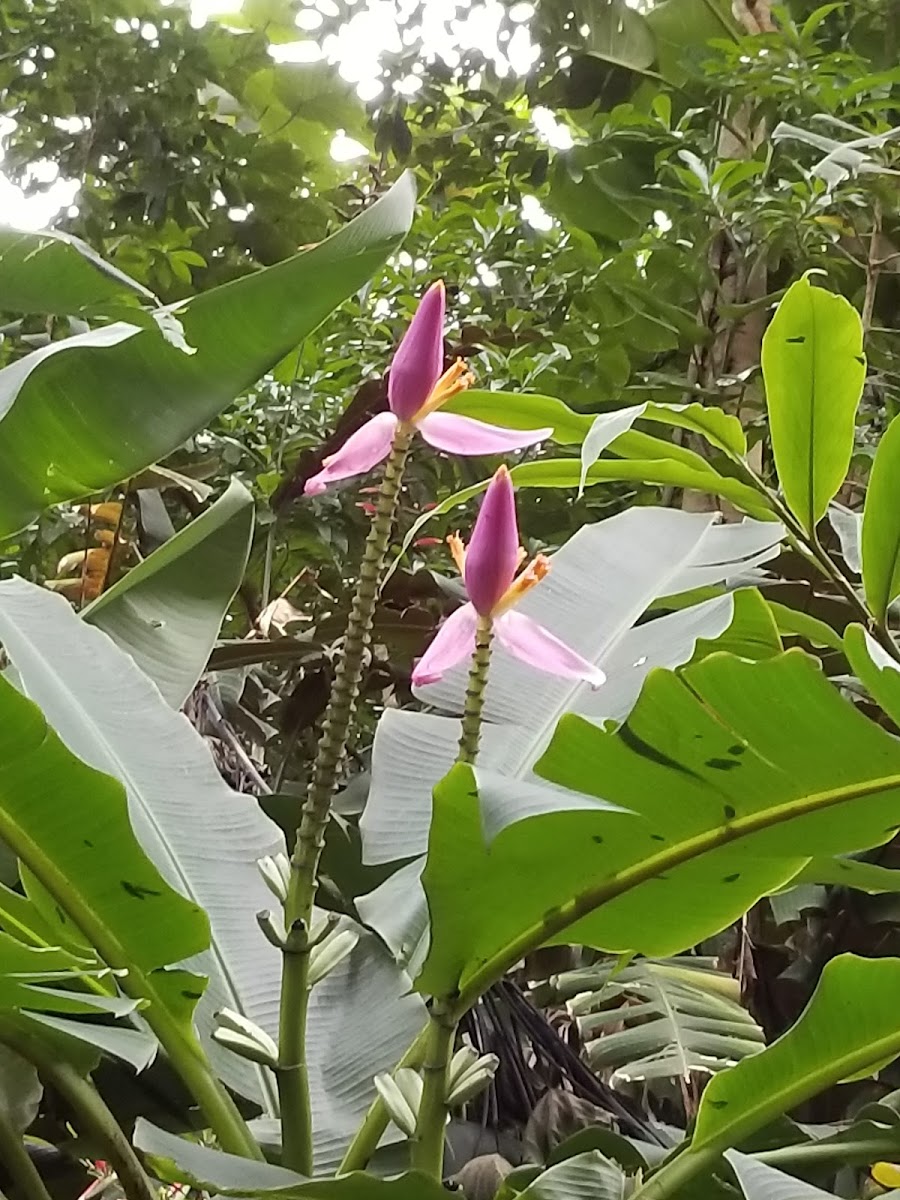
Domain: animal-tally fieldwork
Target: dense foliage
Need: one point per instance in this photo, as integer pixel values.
(275, 919)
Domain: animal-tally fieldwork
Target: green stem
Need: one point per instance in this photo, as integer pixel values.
(478, 673)
(677, 1171)
(428, 1144)
(17, 1163)
(293, 1072)
(365, 1141)
(94, 1118)
(296, 1119)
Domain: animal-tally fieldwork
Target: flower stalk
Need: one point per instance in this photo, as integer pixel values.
(475, 689)
(292, 1072)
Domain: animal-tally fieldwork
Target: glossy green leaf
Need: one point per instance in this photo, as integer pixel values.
(793, 623)
(525, 410)
(814, 368)
(850, 873)
(880, 543)
(761, 1182)
(588, 1176)
(52, 272)
(110, 715)
(847, 1031)
(167, 611)
(567, 473)
(83, 850)
(69, 825)
(83, 414)
(618, 34)
(132, 1046)
(176, 1160)
(876, 670)
(735, 774)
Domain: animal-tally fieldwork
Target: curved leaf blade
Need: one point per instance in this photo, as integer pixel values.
(880, 542)
(167, 611)
(76, 420)
(814, 368)
(204, 838)
(847, 1031)
(735, 773)
(53, 272)
(174, 1160)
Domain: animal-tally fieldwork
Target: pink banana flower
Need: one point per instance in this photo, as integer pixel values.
(488, 567)
(416, 391)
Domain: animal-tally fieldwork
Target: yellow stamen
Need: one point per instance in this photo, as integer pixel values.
(532, 575)
(458, 551)
(453, 381)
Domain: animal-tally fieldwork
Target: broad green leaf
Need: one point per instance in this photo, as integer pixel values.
(735, 774)
(847, 1031)
(814, 368)
(876, 670)
(525, 410)
(850, 873)
(593, 601)
(761, 1182)
(167, 611)
(20, 1090)
(176, 1160)
(81, 415)
(68, 823)
(588, 1176)
(666, 551)
(862, 1143)
(52, 272)
(110, 715)
(567, 473)
(752, 632)
(362, 1017)
(133, 1046)
(880, 543)
(69, 826)
(793, 623)
(618, 34)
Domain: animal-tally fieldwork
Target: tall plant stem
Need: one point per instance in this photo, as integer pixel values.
(17, 1162)
(296, 1115)
(94, 1118)
(474, 705)
(428, 1143)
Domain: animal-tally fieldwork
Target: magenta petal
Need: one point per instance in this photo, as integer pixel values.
(361, 451)
(419, 361)
(492, 554)
(464, 435)
(454, 641)
(532, 643)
